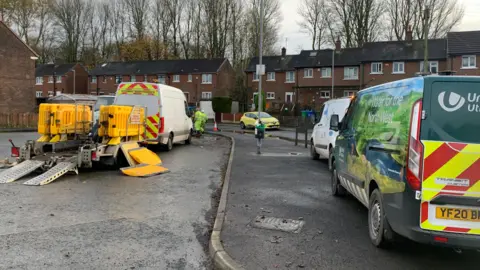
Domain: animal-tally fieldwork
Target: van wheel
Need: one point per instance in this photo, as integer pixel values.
(313, 152)
(189, 139)
(381, 234)
(337, 189)
(170, 143)
(242, 125)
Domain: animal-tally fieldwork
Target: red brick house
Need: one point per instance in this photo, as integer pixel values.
(279, 80)
(464, 52)
(53, 79)
(199, 79)
(17, 72)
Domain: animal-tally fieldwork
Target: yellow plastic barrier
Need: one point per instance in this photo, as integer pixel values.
(121, 121)
(63, 119)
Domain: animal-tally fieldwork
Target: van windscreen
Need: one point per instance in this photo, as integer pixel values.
(454, 114)
(139, 100)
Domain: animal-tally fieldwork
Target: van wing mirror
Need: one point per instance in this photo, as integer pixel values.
(334, 122)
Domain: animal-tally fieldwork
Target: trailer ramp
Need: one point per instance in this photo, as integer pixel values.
(53, 174)
(22, 169)
(143, 162)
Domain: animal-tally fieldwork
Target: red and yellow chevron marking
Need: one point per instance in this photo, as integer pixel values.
(449, 160)
(152, 126)
(145, 89)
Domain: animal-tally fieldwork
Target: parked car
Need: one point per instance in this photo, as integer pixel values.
(322, 141)
(168, 118)
(248, 120)
(410, 152)
(101, 100)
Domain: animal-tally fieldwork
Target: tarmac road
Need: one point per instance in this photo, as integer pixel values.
(335, 234)
(104, 220)
(282, 132)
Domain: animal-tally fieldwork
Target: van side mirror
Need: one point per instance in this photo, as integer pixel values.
(334, 122)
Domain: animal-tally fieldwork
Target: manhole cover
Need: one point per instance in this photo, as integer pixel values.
(277, 154)
(279, 224)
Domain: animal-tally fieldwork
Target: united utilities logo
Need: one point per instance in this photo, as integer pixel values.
(455, 101)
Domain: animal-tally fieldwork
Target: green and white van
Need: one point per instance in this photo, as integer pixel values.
(410, 152)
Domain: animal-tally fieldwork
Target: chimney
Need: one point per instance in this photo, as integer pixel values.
(338, 44)
(408, 34)
(284, 52)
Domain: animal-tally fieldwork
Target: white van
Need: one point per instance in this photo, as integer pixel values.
(168, 118)
(322, 141)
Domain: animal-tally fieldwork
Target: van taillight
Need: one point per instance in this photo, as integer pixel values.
(415, 149)
(162, 124)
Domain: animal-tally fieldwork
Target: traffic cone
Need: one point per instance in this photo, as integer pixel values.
(215, 128)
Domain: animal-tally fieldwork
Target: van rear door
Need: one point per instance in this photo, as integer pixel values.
(146, 95)
(450, 134)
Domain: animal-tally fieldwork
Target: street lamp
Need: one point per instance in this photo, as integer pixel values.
(260, 70)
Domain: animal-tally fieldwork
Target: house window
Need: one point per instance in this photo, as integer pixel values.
(145, 78)
(101, 93)
(469, 61)
(206, 78)
(118, 79)
(325, 94)
(206, 95)
(133, 78)
(104, 79)
(189, 77)
(271, 76)
(270, 95)
(50, 93)
(432, 66)
(289, 97)
(176, 78)
(38, 94)
(308, 73)
(326, 72)
(39, 80)
(94, 79)
(313, 54)
(50, 79)
(377, 68)
(348, 93)
(398, 67)
(290, 77)
(59, 79)
(161, 79)
(350, 73)
(187, 96)
(255, 76)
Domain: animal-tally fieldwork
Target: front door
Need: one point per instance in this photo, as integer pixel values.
(289, 97)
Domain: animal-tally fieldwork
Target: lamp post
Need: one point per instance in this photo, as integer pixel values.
(260, 71)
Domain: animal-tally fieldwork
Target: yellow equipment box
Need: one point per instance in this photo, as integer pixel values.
(121, 121)
(59, 119)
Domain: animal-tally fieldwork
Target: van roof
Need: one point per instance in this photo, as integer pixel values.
(421, 79)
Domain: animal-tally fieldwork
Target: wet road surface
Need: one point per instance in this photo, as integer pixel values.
(104, 220)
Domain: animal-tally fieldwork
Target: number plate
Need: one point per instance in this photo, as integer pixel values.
(458, 214)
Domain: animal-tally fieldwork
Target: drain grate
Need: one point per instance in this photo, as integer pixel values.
(279, 224)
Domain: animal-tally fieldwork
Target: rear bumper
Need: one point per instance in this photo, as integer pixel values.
(454, 240)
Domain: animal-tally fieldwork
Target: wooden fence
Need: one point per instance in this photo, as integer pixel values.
(18, 120)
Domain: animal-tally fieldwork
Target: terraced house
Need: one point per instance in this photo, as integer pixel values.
(199, 79)
(314, 76)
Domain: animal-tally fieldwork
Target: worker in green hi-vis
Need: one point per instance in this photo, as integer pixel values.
(259, 134)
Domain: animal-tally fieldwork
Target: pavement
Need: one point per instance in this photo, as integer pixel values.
(285, 183)
(104, 220)
(283, 133)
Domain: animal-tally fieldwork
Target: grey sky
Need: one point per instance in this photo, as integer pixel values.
(296, 40)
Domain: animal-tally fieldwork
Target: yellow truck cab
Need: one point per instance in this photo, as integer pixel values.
(410, 152)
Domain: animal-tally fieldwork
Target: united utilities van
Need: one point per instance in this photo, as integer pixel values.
(410, 152)
(168, 120)
(322, 141)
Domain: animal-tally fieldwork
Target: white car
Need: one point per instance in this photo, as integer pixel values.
(323, 138)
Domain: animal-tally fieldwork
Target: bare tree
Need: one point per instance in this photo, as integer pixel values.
(186, 26)
(271, 22)
(117, 22)
(217, 18)
(445, 14)
(7, 8)
(313, 21)
(175, 8)
(137, 11)
(160, 28)
(198, 29)
(71, 17)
